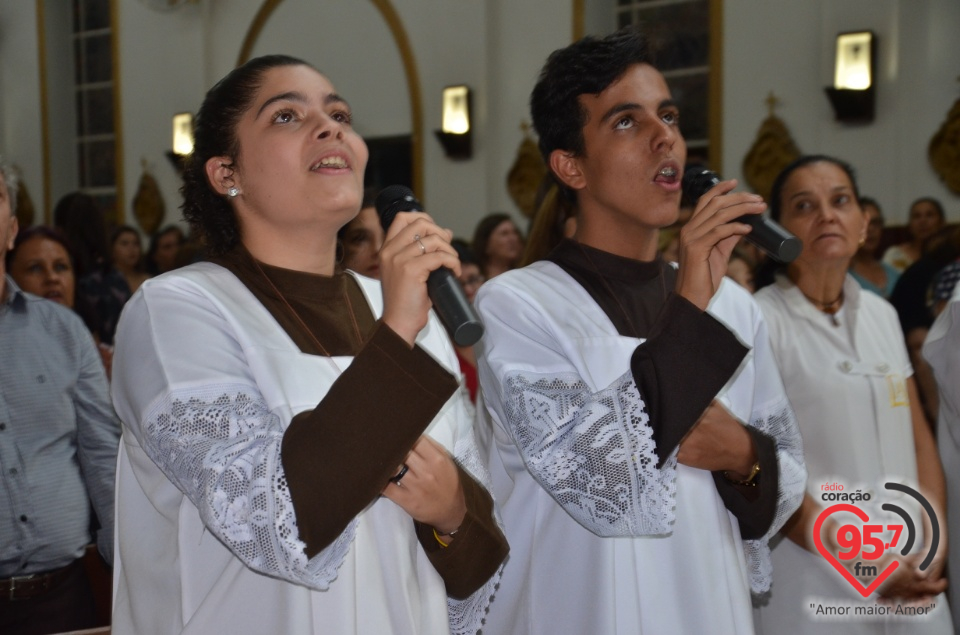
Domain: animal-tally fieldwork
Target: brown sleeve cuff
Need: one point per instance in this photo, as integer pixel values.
(681, 367)
(477, 550)
(754, 506)
(338, 456)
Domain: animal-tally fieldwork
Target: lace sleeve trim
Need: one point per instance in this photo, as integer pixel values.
(220, 445)
(593, 452)
(468, 615)
(777, 421)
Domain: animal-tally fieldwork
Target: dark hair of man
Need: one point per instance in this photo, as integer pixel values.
(776, 192)
(215, 134)
(80, 218)
(586, 67)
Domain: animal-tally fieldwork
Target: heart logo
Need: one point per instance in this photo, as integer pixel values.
(862, 515)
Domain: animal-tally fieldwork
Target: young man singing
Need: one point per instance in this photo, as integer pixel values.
(641, 445)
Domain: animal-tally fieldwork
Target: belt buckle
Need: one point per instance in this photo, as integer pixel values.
(12, 595)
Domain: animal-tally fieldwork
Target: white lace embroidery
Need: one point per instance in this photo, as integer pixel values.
(778, 422)
(593, 452)
(220, 445)
(467, 616)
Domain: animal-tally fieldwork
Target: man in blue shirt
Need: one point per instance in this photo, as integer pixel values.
(58, 449)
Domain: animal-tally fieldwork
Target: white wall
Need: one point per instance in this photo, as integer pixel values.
(160, 75)
(788, 47)
(515, 53)
(20, 95)
(168, 60)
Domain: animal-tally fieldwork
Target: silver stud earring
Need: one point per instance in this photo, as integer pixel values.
(233, 192)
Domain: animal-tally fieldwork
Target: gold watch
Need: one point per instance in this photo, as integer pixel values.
(751, 480)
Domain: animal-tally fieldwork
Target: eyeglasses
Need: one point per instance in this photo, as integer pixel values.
(473, 281)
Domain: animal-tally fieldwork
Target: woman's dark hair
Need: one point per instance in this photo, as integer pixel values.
(150, 259)
(123, 229)
(82, 305)
(586, 67)
(869, 200)
(549, 221)
(42, 231)
(120, 231)
(464, 252)
(80, 218)
(481, 236)
(215, 134)
(369, 200)
(776, 192)
(766, 272)
(936, 204)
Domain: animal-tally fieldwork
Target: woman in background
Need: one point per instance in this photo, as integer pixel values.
(362, 238)
(555, 219)
(108, 287)
(848, 378)
(290, 427)
(126, 256)
(40, 263)
(926, 219)
(164, 246)
(868, 270)
(497, 244)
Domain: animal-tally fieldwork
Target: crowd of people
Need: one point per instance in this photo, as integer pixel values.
(264, 428)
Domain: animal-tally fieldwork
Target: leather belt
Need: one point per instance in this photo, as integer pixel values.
(30, 586)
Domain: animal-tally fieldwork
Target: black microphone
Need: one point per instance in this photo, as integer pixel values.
(450, 303)
(766, 234)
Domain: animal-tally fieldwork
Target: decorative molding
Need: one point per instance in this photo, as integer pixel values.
(392, 18)
(578, 19)
(944, 149)
(259, 20)
(148, 205)
(526, 174)
(771, 151)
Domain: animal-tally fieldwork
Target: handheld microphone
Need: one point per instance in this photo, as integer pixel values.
(765, 233)
(449, 301)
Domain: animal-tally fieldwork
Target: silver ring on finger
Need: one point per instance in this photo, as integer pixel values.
(417, 240)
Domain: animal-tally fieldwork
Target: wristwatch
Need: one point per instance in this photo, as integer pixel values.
(751, 480)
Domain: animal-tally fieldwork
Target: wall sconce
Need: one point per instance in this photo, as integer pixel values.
(456, 133)
(182, 140)
(854, 85)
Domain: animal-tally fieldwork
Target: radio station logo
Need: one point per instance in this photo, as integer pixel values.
(862, 545)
